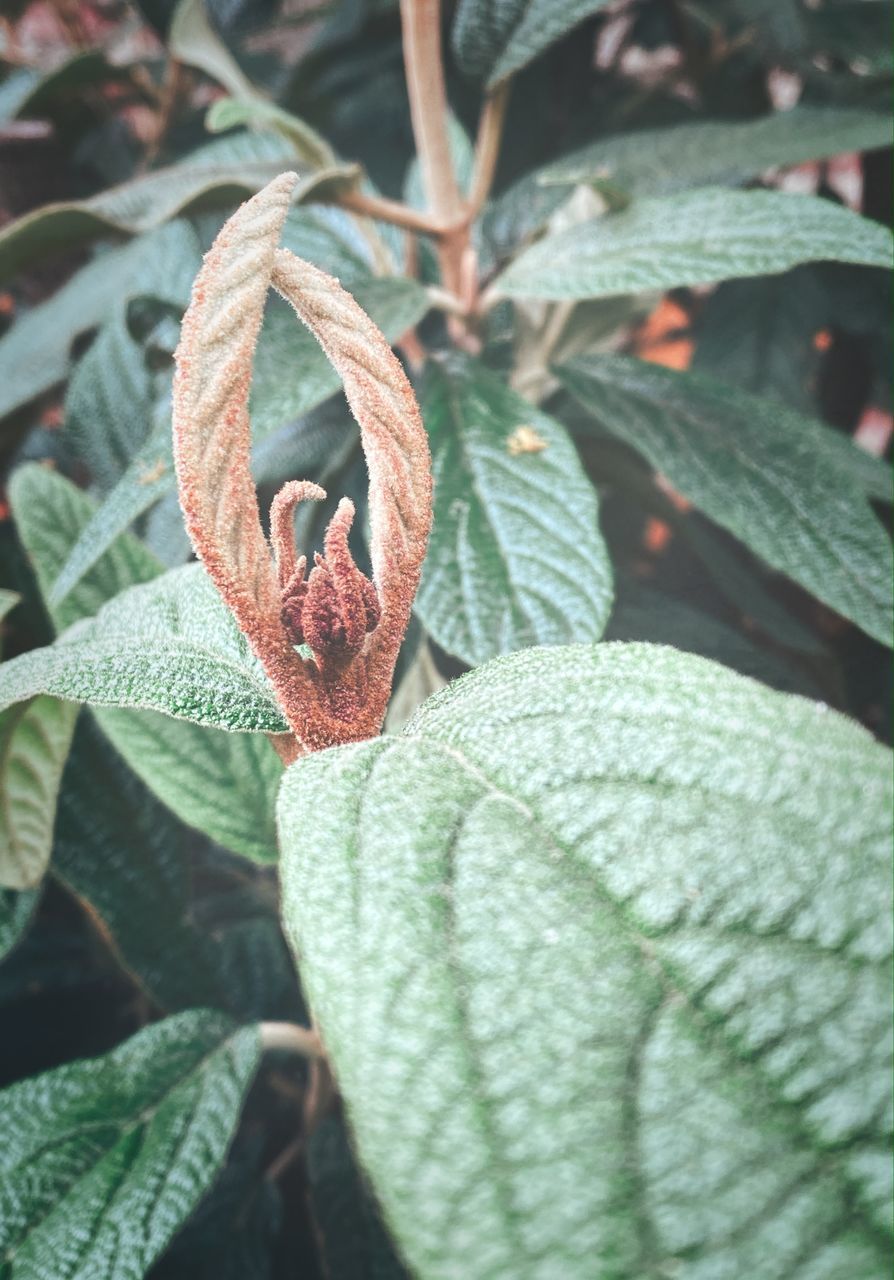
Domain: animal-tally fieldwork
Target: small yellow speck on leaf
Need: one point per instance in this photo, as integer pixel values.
(154, 473)
(525, 439)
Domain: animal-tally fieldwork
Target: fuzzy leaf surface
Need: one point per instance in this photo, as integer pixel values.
(784, 484)
(34, 740)
(600, 952)
(495, 38)
(653, 162)
(105, 1158)
(696, 237)
(515, 556)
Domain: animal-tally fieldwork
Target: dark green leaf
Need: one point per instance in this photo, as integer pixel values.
(697, 237)
(600, 951)
(785, 485)
(103, 1159)
(495, 38)
(515, 556)
(16, 910)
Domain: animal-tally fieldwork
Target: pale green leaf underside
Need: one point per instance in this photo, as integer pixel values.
(103, 1159)
(789, 487)
(696, 237)
(223, 783)
(717, 152)
(34, 741)
(515, 557)
(600, 953)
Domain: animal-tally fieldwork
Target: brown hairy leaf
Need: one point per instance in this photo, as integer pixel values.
(353, 627)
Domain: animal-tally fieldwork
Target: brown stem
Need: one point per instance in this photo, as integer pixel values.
(400, 215)
(421, 23)
(487, 147)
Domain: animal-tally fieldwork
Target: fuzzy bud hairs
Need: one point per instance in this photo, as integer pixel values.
(352, 625)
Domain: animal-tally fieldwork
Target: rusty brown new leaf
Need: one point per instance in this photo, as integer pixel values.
(353, 627)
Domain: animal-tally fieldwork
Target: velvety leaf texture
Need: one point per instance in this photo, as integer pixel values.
(653, 162)
(600, 952)
(223, 783)
(135, 1138)
(696, 237)
(495, 38)
(515, 556)
(789, 487)
(169, 645)
(34, 741)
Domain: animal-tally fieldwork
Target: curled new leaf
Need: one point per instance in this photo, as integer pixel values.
(353, 626)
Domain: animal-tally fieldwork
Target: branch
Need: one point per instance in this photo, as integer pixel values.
(399, 215)
(487, 147)
(291, 1038)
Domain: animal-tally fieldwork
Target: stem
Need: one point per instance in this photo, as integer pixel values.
(400, 215)
(487, 147)
(421, 23)
(291, 1038)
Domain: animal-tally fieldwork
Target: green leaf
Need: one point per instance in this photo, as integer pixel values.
(515, 556)
(784, 484)
(218, 174)
(697, 237)
(228, 113)
(169, 645)
(600, 953)
(34, 741)
(496, 38)
(16, 910)
(653, 162)
(35, 353)
(8, 601)
(222, 783)
(105, 1158)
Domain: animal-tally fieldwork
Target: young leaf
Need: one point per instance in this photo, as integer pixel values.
(223, 783)
(653, 162)
(352, 626)
(600, 954)
(104, 1159)
(785, 485)
(516, 556)
(696, 237)
(495, 38)
(34, 740)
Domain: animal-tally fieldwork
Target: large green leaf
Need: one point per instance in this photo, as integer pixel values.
(222, 783)
(34, 740)
(495, 38)
(600, 953)
(791, 488)
(515, 556)
(654, 162)
(35, 353)
(696, 237)
(104, 1159)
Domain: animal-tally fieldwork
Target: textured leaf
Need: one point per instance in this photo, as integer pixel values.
(696, 237)
(34, 741)
(16, 910)
(103, 1159)
(108, 407)
(600, 953)
(130, 861)
(34, 354)
(169, 645)
(257, 113)
(653, 162)
(495, 38)
(782, 483)
(8, 601)
(222, 783)
(516, 556)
